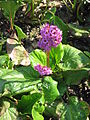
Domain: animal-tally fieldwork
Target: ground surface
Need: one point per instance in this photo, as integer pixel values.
(32, 31)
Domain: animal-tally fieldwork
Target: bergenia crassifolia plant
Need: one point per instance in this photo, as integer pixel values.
(51, 36)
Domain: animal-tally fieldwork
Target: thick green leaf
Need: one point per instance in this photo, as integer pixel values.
(62, 87)
(73, 65)
(80, 111)
(21, 34)
(74, 77)
(8, 112)
(27, 102)
(62, 26)
(37, 57)
(56, 54)
(73, 59)
(37, 110)
(14, 82)
(74, 110)
(50, 89)
(2, 82)
(28, 72)
(39, 107)
(36, 115)
(18, 87)
(11, 75)
(87, 53)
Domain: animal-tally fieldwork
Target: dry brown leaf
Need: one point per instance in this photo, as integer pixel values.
(16, 51)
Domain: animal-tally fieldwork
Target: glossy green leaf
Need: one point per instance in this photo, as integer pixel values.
(62, 26)
(50, 89)
(87, 53)
(74, 110)
(36, 115)
(8, 112)
(27, 101)
(10, 75)
(39, 107)
(73, 59)
(80, 111)
(37, 57)
(56, 54)
(14, 82)
(73, 65)
(18, 87)
(21, 34)
(74, 77)
(28, 72)
(37, 111)
(62, 88)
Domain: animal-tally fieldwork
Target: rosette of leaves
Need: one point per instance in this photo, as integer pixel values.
(42, 93)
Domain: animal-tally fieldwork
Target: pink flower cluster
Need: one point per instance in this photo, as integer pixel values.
(51, 36)
(43, 70)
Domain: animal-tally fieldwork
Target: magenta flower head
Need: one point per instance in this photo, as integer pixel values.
(51, 36)
(43, 70)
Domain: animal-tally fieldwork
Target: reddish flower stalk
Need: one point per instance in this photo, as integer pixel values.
(11, 22)
(47, 53)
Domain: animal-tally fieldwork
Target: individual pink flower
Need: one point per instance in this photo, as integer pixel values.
(43, 70)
